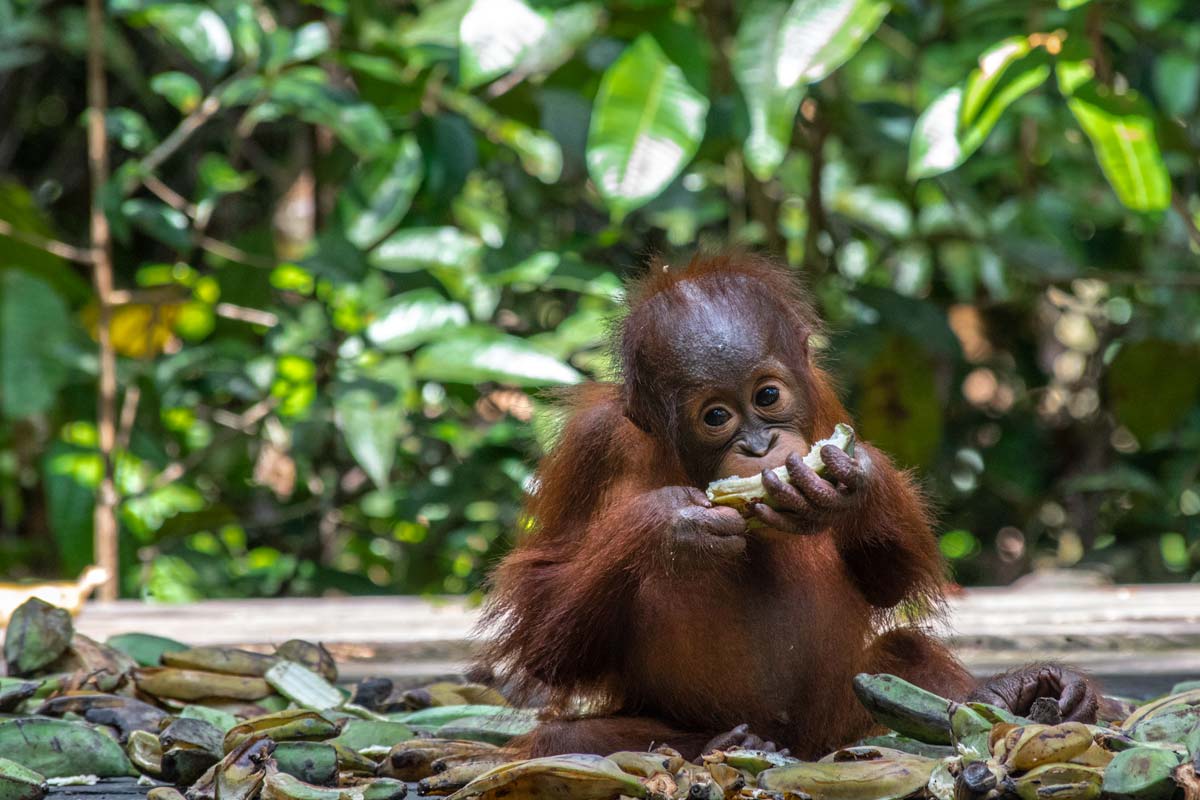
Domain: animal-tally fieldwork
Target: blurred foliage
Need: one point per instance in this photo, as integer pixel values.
(355, 238)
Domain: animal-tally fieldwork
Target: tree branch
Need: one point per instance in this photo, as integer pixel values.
(1179, 203)
(105, 514)
(52, 246)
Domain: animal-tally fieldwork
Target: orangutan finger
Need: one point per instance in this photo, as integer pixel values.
(818, 492)
(783, 493)
(842, 468)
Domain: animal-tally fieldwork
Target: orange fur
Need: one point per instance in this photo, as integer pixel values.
(590, 605)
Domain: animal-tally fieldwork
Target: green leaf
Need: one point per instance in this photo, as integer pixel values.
(1121, 129)
(818, 36)
(413, 318)
(437, 25)
(129, 129)
(196, 30)
(412, 249)
(308, 42)
(478, 355)
(569, 28)
(305, 92)
(1067, 5)
(540, 154)
(217, 177)
(180, 90)
(72, 475)
(160, 221)
(33, 324)
(771, 105)
(647, 123)
(379, 193)
(20, 210)
(495, 35)
(370, 419)
(499, 36)
(956, 124)
(1177, 83)
(1153, 384)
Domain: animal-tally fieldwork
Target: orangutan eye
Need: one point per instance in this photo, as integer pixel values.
(716, 417)
(766, 396)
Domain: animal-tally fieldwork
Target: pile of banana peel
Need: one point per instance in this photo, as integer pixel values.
(206, 723)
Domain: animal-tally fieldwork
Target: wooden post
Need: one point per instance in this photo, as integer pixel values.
(105, 515)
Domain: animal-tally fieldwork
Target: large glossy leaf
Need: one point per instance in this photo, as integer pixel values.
(305, 92)
(370, 417)
(960, 119)
(499, 36)
(413, 318)
(412, 249)
(379, 193)
(818, 36)
(1121, 129)
(569, 27)
(71, 475)
(771, 105)
(494, 36)
(33, 325)
(196, 30)
(479, 355)
(647, 123)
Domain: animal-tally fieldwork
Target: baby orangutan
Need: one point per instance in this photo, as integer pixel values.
(675, 620)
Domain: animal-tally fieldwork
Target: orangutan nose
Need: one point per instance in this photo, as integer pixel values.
(759, 443)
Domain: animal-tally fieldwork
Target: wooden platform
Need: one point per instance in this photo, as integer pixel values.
(1139, 640)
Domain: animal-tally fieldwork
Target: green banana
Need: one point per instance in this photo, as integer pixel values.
(361, 734)
(282, 726)
(907, 709)
(37, 634)
(499, 727)
(20, 783)
(311, 762)
(1059, 782)
(1143, 773)
(57, 748)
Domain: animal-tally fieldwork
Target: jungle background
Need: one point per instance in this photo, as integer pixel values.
(354, 240)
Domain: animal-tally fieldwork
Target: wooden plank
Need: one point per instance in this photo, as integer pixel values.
(1118, 632)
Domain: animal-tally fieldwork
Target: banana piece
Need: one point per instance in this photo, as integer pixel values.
(907, 709)
(881, 779)
(577, 777)
(739, 492)
(1059, 782)
(1030, 746)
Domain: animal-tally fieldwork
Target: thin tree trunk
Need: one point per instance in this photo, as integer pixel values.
(105, 516)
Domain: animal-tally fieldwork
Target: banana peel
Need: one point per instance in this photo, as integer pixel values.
(578, 777)
(889, 778)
